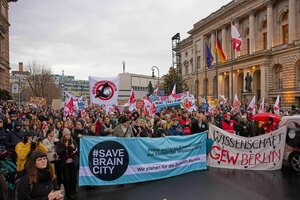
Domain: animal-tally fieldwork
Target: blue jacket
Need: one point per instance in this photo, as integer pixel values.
(175, 130)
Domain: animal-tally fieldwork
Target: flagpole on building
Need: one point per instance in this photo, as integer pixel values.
(205, 71)
(231, 68)
(217, 73)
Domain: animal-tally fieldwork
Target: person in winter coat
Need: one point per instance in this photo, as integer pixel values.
(67, 151)
(15, 136)
(176, 128)
(244, 127)
(79, 130)
(199, 125)
(50, 142)
(124, 128)
(3, 135)
(92, 130)
(227, 124)
(270, 125)
(159, 129)
(26, 147)
(106, 128)
(185, 122)
(39, 180)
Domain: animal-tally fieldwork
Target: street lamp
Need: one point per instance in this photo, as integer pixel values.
(152, 68)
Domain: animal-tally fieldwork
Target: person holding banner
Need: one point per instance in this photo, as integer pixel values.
(79, 130)
(244, 127)
(106, 128)
(176, 128)
(227, 124)
(124, 128)
(199, 125)
(185, 122)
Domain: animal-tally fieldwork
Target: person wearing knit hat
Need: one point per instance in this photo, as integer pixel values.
(66, 131)
(67, 151)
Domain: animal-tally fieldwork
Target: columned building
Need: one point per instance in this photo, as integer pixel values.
(270, 53)
(4, 45)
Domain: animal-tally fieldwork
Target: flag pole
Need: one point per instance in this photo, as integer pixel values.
(205, 71)
(231, 68)
(217, 73)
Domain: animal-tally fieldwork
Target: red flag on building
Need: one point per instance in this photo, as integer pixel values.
(236, 38)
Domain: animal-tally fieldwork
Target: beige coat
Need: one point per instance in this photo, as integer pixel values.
(118, 131)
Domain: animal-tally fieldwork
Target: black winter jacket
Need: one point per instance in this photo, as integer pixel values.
(36, 191)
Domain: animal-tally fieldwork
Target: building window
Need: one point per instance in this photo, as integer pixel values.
(278, 78)
(285, 34)
(247, 41)
(264, 35)
(265, 41)
(285, 28)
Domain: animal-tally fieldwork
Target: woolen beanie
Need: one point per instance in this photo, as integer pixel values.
(66, 131)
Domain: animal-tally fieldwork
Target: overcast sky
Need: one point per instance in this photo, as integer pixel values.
(93, 37)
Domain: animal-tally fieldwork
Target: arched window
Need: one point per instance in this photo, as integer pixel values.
(264, 34)
(278, 79)
(285, 28)
(247, 39)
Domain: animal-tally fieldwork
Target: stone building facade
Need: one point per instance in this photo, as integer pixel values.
(4, 45)
(270, 53)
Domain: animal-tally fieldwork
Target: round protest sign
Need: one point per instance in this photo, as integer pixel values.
(108, 160)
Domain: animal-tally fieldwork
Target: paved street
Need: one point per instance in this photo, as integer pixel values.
(210, 184)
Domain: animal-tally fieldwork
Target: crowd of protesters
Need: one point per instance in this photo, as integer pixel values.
(39, 129)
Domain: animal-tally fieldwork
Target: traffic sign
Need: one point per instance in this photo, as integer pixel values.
(15, 88)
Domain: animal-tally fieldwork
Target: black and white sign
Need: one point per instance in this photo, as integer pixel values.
(108, 160)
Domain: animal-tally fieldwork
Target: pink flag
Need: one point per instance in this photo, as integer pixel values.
(252, 106)
(277, 106)
(262, 106)
(236, 38)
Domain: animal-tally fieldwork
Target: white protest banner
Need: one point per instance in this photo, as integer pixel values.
(104, 91)
(264, 152)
